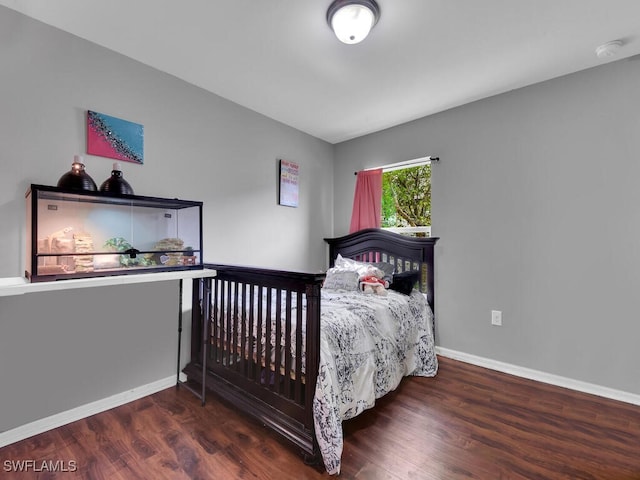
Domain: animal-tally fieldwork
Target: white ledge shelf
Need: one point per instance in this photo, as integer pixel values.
(19, 285)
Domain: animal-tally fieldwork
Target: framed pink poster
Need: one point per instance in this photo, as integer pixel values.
(288, 183)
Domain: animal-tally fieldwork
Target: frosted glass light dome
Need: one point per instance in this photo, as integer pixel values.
(352, 21)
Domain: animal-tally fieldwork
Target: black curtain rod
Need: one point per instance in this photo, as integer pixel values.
(431, 159)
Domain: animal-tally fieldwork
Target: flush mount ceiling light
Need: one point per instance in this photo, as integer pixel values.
(352, 20)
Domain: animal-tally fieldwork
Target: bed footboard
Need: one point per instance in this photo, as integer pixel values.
(260, 345)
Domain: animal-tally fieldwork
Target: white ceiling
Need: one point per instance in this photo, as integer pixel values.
(280, 58)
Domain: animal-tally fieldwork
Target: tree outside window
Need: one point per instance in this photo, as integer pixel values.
(406, 199)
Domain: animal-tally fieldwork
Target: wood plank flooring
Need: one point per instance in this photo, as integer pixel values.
(468, 422)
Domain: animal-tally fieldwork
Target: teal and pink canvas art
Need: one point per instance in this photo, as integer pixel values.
(113, 137)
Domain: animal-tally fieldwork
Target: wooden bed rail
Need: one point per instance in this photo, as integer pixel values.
(261, 321)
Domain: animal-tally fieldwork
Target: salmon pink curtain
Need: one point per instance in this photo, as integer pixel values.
(367, 201)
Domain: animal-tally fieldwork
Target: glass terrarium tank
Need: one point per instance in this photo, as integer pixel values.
(77, 234)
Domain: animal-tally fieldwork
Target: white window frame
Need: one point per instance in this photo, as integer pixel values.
(401, 166)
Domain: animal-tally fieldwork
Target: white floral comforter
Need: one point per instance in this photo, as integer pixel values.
(367, 344)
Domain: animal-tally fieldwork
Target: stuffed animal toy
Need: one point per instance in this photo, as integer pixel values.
(373, 284)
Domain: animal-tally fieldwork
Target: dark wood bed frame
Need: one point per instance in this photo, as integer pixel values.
(254, 377)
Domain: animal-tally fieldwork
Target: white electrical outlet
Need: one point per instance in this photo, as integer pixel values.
(496, 318)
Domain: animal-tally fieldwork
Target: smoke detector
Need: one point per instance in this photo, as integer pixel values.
(609, 49)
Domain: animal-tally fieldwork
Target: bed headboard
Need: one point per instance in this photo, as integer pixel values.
(405, 253)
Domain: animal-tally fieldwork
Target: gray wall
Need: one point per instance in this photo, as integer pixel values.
(197, 146)
(61, 350)
(537, 206)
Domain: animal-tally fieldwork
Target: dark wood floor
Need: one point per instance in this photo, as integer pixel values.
(468, 422)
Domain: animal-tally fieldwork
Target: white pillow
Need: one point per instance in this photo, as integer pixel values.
(339, 279)
(360, 267)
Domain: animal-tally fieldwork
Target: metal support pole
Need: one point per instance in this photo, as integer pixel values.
(179, 333)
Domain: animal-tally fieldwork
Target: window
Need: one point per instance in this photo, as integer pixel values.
(406, 198)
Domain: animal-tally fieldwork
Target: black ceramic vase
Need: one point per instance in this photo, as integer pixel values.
(77, 178)
(116, 183)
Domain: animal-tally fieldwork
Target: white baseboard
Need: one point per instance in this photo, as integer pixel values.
(83, 411)
(539, 376)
